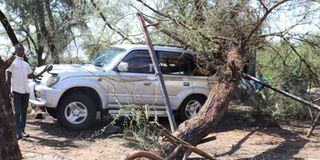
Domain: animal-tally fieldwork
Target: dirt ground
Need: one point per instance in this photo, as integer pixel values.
(238, 137)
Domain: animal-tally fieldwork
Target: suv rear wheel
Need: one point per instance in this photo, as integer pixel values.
(191, 106)
(77, 111)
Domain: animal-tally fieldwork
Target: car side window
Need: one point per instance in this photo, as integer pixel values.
(175, 63)
(139, 61)
(200, 71)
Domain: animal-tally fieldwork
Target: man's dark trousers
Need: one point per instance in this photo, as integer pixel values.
(20, 106)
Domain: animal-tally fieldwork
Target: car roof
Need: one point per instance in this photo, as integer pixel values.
(156, 47)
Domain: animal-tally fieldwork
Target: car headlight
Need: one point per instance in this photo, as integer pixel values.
(52, 80)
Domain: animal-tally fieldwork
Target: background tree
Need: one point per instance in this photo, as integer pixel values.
(48, 27)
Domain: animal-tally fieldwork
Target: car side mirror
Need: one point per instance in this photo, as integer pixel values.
(49, 68)
(123, 67)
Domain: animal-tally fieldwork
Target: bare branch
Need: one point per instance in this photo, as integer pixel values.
(264, 6)
(259, 23)
(169, 33)
(118, 31)
(30, 37)
(282, 33)
(154, 10)
(8, 28)
(176, 21)
(142, 154)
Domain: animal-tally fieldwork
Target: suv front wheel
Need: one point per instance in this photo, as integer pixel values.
(52, 112)
(191, 106)
(77, 111)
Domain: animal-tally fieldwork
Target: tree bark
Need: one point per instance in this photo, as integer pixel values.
(9, 148)
(45, 33)
(195, 129)
(8, 28)
(39, 46)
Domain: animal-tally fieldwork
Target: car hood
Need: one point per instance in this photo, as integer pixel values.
(71, 70)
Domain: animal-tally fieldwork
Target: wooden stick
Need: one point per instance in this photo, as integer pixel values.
(142, 154)
(175, 151)
(175, 140)
(294, 97)
(313, 125)
(205, 140)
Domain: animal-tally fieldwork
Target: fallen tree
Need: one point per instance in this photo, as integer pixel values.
(230, 48)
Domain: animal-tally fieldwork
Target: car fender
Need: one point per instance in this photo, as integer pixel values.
(87, 82)
(190, 91)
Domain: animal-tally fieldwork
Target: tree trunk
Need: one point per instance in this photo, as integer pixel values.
(195, 129)
(45, 33)
(39, 46)
(9, 148)
(8, 28)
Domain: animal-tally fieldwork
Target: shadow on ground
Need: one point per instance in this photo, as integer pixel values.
(48, 132)
(291, 145)
(293, 141)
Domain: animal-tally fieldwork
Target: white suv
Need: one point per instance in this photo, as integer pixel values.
(119, 77)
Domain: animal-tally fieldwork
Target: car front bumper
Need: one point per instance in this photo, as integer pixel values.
(44, 96)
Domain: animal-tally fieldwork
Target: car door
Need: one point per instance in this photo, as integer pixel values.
(176, 70)
(134, 81)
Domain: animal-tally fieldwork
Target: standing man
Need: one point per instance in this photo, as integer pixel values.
(18, 74)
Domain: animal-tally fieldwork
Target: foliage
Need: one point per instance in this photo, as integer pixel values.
(137, 126)
(292, 71)
(47, 27)
(209, 27)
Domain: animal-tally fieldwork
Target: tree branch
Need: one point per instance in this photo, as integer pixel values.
(263, 5)
(180, 23)
(309, 67)
(108, 24)
(281, 33)
(142, 154)
(30, 37)
(259, 23)
(8, 28)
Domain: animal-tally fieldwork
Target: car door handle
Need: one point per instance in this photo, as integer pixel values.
(186, 83)
(147, 83)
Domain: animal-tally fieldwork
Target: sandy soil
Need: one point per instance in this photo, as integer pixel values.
(237, 138)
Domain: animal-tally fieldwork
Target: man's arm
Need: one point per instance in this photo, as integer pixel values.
(33, 76)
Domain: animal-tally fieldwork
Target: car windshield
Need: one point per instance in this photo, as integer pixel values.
(107, 57)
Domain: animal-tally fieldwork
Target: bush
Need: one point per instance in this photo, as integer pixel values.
(290, 70)
(137, 126)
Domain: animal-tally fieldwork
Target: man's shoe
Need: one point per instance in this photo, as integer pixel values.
(24, 134)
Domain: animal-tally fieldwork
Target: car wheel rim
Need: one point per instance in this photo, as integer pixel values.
(76, 112)
(192, 108)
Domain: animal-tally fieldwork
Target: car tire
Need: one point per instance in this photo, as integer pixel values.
(77, 112)
(190, 106)
(52, 112)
